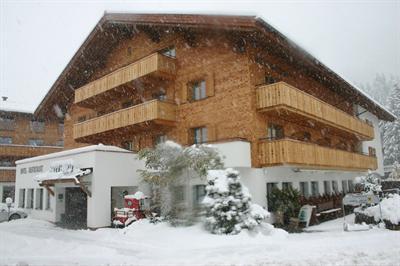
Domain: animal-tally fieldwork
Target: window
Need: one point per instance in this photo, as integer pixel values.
(60, 128)
(161, 139)
(269, 80)
(344, 186)
(200, 135)
(351, 185)
(270, 188)
(37, 126)
(82, 118)
(372, 151)
(8, 192)
(60, 143)
(314, 188)
(29, 202)
(304, 191)
(128, 145)
(36, 142)
(275, 131)
(7, 123)
(335, 188)
(327, 187)
(199, 194)
(286, 185)
(48, 206)
(6, 163)
(198, 90)
(6, 140)
(39, 199)
(127, 104)
(170, 51)
(21, 198)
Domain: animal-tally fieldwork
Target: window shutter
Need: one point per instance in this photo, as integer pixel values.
(210, 90)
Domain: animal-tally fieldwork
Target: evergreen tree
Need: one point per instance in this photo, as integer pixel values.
(228, 204)
(391, 130)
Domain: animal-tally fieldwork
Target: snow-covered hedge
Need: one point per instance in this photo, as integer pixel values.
(390, 210)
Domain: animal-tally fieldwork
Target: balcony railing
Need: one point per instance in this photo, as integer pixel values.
(155, 110)
(24, 151)
(308, 155)
(153, 64)
(292, 101)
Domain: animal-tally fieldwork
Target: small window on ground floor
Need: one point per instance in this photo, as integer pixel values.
(128, 145)
(351, 185)
(270, 187)
(314, 188)
(199, 135)
(39, 199)
(335, 188)
(327, 187)
(21, 198)
(286, 185)
(344, 186)
(8, 192)
(304, 190)
(29, 197)
(48, 200)
(198, 194)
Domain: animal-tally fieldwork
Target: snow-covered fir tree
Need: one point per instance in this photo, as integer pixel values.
(395, 173)
(370, 183)
(228, 204)
(391, 130)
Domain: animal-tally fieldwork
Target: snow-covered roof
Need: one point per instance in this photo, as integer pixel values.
(15, 110)
(99, 147)
(138, 195)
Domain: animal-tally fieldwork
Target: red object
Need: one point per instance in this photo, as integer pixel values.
(133, 210)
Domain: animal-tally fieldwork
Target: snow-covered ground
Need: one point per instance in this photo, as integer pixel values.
(35, 242)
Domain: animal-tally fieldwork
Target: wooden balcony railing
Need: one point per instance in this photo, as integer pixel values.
(7, 174)
(152, 64)
(308, 155)
(26, 151)
(281, 95)
(154, 110)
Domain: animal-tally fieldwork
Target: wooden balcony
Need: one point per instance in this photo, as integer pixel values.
(286, 100)
(156, 111)
(7, 174)
(154, 64)
(26, 151)
(308, 155)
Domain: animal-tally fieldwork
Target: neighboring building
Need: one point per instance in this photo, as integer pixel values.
(22, 136)
(139, 79)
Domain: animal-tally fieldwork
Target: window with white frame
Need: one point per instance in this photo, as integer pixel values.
(198, 194)
(6, 140)
(335, 188)
(314, 188)
(304, 190)
(198, 89)
(344, 186)
(21, 198)
(286, 185)
(199, 135)
(37, 126)
(327, 187)
(29, 198)
(39, 199)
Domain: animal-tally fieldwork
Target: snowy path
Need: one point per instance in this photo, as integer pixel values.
(36, 242)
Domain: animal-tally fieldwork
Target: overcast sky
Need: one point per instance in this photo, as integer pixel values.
(357, 39)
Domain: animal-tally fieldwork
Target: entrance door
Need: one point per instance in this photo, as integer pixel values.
(75, 208)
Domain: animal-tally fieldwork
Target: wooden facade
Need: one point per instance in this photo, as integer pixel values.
(24, 135)
(308, 155)
(250, 83)
(287, 100)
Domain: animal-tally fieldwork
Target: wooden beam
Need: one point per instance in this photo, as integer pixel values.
(85, 189)
(51, 192)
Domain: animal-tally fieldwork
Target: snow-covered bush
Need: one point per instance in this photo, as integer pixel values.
(370, 183)
(169, 166)
(228, 204)
(390, 207)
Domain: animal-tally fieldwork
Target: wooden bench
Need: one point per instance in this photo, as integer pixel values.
(326, 211)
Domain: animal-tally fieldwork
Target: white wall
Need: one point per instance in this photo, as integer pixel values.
(236, 153)
(376, 142)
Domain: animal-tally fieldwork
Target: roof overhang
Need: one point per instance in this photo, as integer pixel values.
(226, 22)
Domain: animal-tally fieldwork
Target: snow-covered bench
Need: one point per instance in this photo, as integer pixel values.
(327, 210)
